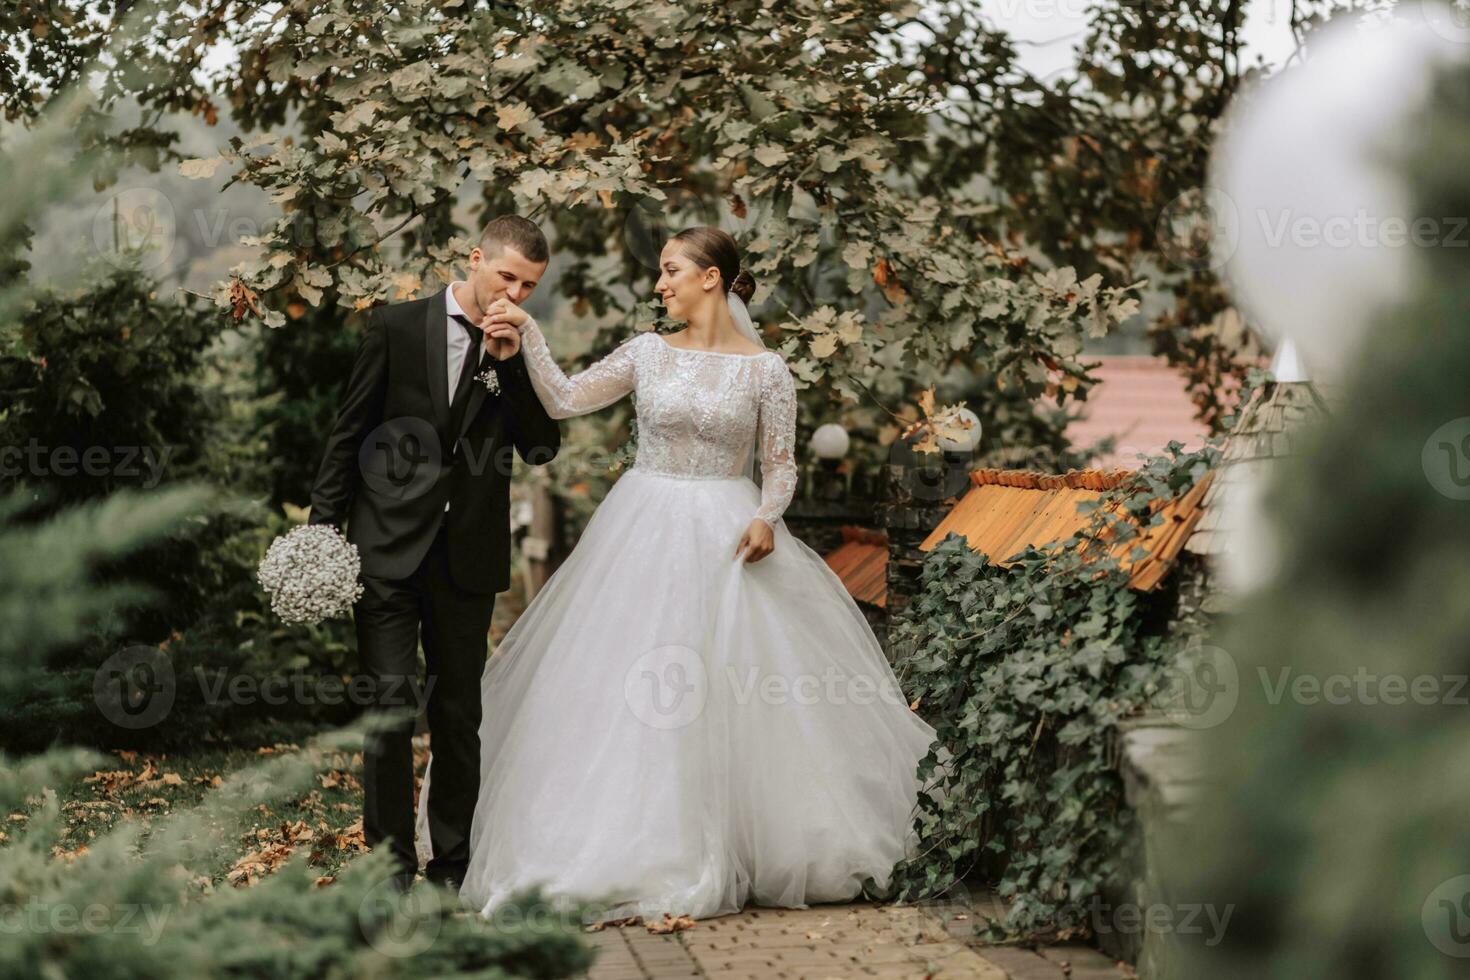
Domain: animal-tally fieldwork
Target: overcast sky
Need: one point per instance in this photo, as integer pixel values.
(1048, 30)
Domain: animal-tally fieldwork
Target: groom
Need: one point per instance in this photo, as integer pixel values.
(418, 465)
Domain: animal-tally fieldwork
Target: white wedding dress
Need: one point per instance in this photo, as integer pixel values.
(668, 728)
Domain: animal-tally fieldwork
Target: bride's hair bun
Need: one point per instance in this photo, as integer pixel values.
(743, 286)
(713, 248)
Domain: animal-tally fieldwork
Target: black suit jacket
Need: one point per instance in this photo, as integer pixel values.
(392, 462)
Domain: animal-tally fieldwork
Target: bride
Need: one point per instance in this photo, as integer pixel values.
(692, 713)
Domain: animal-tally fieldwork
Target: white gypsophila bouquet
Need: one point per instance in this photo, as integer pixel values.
(311, 574)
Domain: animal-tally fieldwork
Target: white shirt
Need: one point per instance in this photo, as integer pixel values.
(458, 341)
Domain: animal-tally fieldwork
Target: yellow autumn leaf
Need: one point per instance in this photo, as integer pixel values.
(771, 154)
(199, 168)
(406, 284)
(583, 142)
(670, 924)
(825, 345)
(511, 116)
(926, 443)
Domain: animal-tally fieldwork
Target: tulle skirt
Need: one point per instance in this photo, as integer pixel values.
(669, 729)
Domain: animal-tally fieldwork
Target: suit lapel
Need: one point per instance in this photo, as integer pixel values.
(436, 353)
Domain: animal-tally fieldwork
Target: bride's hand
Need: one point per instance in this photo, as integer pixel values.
(757, 541)
(501, 324)
(504, 311)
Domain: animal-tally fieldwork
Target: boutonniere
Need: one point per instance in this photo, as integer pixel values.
(490, 380)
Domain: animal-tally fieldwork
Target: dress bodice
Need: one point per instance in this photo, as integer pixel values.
(699, 412)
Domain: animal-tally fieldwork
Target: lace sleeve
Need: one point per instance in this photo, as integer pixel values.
(597, 387)
(777, 441)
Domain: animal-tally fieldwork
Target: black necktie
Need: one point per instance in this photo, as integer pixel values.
(471, 357)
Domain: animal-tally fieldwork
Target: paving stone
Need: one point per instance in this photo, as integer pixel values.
(1078, 960)
(848, 942)
(1021, 964)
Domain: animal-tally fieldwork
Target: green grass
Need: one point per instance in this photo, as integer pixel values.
(144, 787)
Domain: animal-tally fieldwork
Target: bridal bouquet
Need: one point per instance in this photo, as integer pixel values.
(311, 574)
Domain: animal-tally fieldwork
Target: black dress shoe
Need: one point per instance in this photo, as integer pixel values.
(403, 881)
(446, 879)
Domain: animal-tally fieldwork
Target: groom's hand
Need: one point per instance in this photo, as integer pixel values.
(501, 324)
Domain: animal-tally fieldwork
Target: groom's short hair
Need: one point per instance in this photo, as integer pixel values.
(518, 233)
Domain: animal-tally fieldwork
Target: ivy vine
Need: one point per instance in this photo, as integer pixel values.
(1026, 672)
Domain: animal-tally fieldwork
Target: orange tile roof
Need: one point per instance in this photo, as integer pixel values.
(861, 561)
(1005, 511)
(1142, 401)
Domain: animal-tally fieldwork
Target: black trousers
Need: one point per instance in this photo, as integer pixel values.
(388, 618)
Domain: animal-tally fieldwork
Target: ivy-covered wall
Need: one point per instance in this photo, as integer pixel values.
(1026, 672)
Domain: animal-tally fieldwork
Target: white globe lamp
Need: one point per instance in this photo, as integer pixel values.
(830, 442)
(966, 441)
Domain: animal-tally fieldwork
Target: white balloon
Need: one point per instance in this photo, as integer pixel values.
(1324, 231)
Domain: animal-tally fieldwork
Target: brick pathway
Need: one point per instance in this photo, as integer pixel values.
(835, 942)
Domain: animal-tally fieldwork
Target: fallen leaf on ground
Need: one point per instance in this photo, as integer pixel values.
(339, 779)
(670, 924)
(615, 923)
(252, 867)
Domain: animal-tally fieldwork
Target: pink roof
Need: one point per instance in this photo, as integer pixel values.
(1142, 401)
